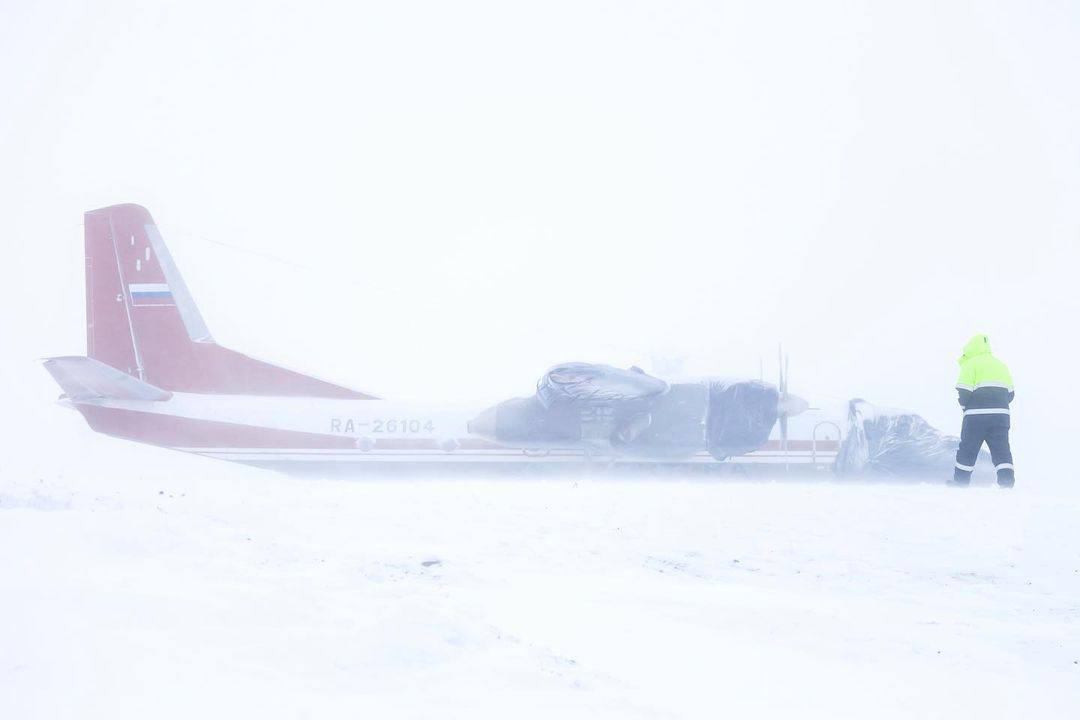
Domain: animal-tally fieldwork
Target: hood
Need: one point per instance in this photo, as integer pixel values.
(977, 345)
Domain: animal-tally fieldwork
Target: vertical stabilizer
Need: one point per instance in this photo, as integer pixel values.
(142, 320)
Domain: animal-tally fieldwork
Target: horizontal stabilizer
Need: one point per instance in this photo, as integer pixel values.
(84, 378)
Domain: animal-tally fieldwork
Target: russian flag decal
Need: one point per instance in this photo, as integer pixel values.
(150, 294)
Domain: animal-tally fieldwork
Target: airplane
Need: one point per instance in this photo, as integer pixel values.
(153, 374)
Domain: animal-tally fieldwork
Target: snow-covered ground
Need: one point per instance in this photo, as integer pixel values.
(248, 594)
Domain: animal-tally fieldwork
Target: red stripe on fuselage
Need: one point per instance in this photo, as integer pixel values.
(802, 445)
(173, 431)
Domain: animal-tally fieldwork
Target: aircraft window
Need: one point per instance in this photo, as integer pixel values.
(132, 239)
(138, 264)
(148, 252)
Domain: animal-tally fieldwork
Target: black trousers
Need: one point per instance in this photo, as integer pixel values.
(994, 431)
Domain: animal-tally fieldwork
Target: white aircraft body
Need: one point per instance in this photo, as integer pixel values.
(153, 374)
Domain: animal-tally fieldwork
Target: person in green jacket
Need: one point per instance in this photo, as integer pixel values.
(985, 388)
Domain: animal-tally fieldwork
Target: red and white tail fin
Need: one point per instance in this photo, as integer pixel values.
(141, 319)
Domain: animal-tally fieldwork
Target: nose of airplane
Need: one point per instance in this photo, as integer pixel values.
(790, 405)
(484, 424)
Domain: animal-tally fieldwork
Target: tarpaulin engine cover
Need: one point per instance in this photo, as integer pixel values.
(580, 403)
(893, 442)
(741, 416)
(585, 382)
(632, 413)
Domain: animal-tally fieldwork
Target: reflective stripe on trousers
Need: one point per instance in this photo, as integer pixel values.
(989, 426)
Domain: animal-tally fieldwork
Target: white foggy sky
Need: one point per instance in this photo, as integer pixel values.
(476, 191)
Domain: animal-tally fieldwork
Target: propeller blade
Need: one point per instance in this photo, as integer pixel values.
(780, 368)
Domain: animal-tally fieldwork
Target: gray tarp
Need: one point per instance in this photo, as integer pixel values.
(741, 416)
(893, 442)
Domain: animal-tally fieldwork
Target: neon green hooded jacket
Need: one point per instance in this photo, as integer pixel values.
(985, 382)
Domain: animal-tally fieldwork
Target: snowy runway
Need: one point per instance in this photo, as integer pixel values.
(263, 596)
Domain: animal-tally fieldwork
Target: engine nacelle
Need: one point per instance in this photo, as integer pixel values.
(741, 416)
